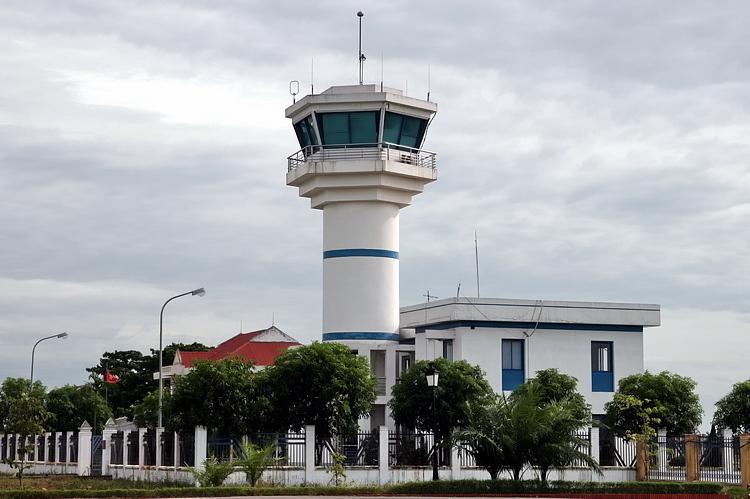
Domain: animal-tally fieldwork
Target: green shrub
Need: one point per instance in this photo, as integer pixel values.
(214, 472)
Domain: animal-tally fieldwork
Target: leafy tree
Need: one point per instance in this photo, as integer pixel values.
(511, 433)
(733, 410)
(459, 384)
(71, 405)
(136, 373)
(223, 396)
(668, 401)
(23, 408)
(323, 384)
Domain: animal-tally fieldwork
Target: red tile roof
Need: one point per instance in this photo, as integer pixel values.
(245, 345)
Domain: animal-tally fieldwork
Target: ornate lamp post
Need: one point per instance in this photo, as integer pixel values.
(195, 292)
(432, 381)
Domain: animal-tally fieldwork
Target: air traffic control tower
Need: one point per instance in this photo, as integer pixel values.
(361, 162)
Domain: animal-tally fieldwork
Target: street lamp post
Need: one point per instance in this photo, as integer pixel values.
(198, 292)
(33, 350)
(432, 381)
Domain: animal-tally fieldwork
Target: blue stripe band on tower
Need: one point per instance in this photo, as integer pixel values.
(358, 335)
(343, 253)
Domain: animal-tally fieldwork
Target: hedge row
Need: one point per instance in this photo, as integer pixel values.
(447, 487)
(442, 487)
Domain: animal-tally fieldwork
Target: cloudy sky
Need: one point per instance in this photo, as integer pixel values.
(599, 150)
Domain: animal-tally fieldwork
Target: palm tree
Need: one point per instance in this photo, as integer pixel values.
(512, 433)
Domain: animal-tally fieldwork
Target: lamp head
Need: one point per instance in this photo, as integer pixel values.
(199, 292)
(432, 375)
(62, 335)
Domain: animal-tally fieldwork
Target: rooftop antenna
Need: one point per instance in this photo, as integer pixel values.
(294, 90)
(361, 55)
(382, 64)
(428, 83)
(458, 291)
(312, 76)
(428, 295)
(476, 259)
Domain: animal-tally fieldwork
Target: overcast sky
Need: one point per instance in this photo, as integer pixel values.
(599, 150)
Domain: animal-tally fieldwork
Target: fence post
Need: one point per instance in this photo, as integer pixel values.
(594, 448)
(745, 460)
(641, 460)
(455, 462)
(200, 447)
(84, 449)
(109, 430)
(383, 455)
(309, 453)
(727, 456)
(141, 447)
(692, 459)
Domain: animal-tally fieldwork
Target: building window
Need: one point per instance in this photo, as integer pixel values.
(448, 349)
(306, 132)
(513, 375)
(602, 372)
(404, 130)
(349, 128)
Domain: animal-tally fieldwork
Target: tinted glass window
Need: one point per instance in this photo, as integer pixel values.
(403, 130)
(305, 132)
(349, 128)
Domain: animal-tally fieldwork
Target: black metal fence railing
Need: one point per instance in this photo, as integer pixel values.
(167, 449)
(73, 448)
(416, 449)
(224, 449)
(719, 459)
(357, 450)
(186, 447)
(289, 447)
(667, 459)
(132, 448)
(149, 447)
(615, 451)
(116, 448)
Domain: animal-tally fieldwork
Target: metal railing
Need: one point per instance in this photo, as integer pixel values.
(358, 450)
(353, 152)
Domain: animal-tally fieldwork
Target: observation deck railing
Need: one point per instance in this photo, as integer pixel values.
(349, 152)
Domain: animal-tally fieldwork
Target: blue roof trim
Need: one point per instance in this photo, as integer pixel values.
(531, 325)
(534, 306)
(343, 253)
(360, 335)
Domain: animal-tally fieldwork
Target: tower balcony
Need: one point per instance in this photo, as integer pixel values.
(352, 152)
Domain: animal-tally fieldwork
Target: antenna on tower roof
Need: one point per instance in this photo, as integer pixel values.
(362, 58)
(294, 90)
(428, 83)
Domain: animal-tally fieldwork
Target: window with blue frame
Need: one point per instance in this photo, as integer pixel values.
(602, 371)
(513, 372)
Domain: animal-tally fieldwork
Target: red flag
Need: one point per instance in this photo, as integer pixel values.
(110, 378)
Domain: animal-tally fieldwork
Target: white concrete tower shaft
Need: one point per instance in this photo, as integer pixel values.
(361, 162)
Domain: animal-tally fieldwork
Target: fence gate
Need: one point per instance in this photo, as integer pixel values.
(96, 455)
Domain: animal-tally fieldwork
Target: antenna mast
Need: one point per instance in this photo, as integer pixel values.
(361, 55)
(476, 259)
